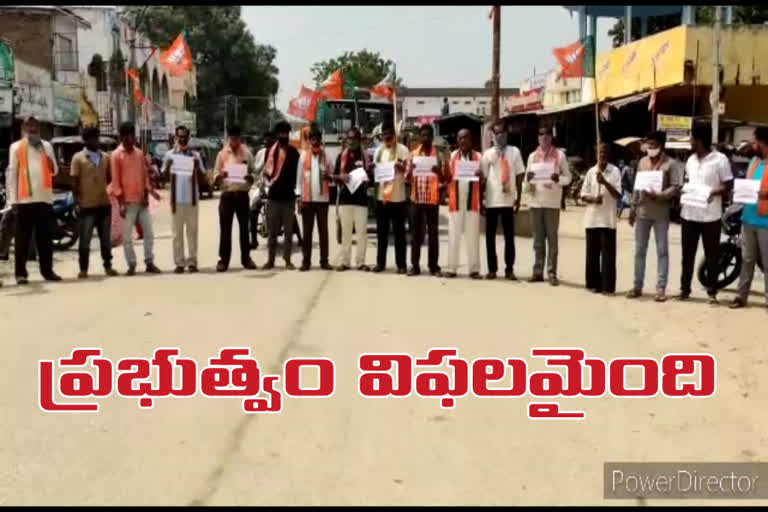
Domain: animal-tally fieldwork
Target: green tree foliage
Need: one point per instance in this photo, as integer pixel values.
(228, 60)
(705, 15)
(364, 68)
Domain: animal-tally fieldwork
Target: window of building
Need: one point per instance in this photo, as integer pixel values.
(468, 102)
(482, 102)
(420, 102)
(455, 102)
(66, 59)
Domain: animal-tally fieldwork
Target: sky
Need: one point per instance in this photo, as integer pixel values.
(433, 46)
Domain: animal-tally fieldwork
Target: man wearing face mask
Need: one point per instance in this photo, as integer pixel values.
(650, 210)
(234, 199)
(90, 176)
(391, 206)
(503, 169)
(547, 174)
(280, 171)
(313, 174)
(185, 190)
(30, 171)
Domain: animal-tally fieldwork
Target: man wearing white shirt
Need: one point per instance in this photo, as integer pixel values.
(390, 204)
(547, 174)
(313, 174)
(464, 209)
(601, 190)
(503, 170)
(710, 168)
(30, 172)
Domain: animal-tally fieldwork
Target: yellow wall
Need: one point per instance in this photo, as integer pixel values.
(629, 68)
(743, 48)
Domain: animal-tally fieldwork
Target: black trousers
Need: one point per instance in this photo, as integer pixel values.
(710, 238)
(394, 213)
(231, 204)
(253, 225)
(310, 212)
(425, 216)
(508, 225)
(601, 259)
(37, 217)
(101, 218)
(281, 215)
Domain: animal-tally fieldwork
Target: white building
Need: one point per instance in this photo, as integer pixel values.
(427, 102)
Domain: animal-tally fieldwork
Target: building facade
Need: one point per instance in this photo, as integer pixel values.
(427, 103)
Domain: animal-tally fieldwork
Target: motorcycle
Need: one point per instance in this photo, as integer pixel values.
(729, 264)
(64, 232)
(259, 203)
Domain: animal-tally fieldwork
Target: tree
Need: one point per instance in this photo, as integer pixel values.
(365, 68)
(705, 15)
(228, 60)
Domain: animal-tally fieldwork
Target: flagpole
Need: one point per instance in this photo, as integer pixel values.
(394, 97)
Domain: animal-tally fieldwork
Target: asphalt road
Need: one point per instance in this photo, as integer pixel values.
(345, 449)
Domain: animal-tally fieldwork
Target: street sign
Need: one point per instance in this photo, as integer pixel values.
(676, 127)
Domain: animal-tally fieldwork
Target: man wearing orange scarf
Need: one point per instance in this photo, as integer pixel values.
(754, 227)
(30, 191)
(313, 173)
(504, 170)
(425, 194)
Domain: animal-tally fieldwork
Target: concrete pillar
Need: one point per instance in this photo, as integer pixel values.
(728, 18)
(688, 17)
(582, 21)
(593, 26)
(627, 24)
(644, 26)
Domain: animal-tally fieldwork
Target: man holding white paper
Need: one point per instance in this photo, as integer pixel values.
(313, 174)
(709, 170)
(236, 166)
(353, 200)
(650, 208)
(186, 171)
(390, 204)
(544, 197)
(426, 174)
(503, 168)
(754, 227)
(464, 207)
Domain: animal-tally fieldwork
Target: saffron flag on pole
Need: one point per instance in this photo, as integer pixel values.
(305, 104)
(333, 87)
(178, 57)
(577, 59)
(385, 88)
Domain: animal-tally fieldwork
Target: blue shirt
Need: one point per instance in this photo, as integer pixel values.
(183, 190)
(749, 214)
(94, 157)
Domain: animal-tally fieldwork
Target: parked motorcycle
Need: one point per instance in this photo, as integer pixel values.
(64, 232)
(259, 203)
(729, 264)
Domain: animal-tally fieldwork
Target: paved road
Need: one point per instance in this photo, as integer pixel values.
(345, 449)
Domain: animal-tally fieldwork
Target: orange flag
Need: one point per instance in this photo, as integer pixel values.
(305, 104)
(385, 88)
(177, 58)
(333, 87)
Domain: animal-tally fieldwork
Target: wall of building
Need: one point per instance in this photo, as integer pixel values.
(418, 106)
(29, 35)
(743, 53)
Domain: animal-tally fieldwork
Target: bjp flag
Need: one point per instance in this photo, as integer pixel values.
(333, 87)
(305, 104)
(177, 58)
(577, 59)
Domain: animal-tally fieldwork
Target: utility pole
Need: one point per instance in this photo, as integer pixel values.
(495, 75)
(236, 105)
(715, 96)
(226, 102)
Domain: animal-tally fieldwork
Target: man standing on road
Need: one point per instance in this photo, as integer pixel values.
(601, 190)
(710, 168)
(280, 171)
(650, 210)
(353, 206)
(390, 204)
(754, 228)
(90, 176)
(185, 191)
(503, 170)
(234, 157)
(464, 209)
(30, 171)
(547, 174)
(425, 196)
(313, 174)
(132, 187)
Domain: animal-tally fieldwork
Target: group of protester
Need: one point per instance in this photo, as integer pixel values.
(305, 180)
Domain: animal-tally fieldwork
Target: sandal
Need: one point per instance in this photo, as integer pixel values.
(633, 294)
(737, 303)
(660, 297)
